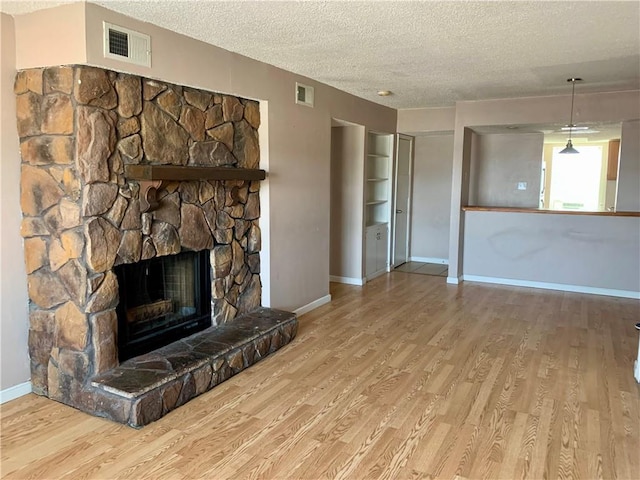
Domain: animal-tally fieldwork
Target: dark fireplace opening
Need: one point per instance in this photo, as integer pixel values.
(162, 300)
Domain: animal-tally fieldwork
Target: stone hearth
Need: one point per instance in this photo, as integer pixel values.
(147, 387)
(79, 127)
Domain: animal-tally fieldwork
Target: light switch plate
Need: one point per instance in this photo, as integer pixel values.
(522, 185)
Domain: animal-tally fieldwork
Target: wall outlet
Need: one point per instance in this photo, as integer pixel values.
(522, 185)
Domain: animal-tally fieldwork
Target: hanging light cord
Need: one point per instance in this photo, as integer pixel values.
(573, 91)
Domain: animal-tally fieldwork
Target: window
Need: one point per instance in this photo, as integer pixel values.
(576, 179)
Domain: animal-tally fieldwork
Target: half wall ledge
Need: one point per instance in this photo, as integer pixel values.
(145, 388)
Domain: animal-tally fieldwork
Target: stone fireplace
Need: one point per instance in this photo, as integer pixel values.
(86, 212)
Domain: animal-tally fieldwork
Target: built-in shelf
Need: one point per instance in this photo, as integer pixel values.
(177, 173)
(378, 174)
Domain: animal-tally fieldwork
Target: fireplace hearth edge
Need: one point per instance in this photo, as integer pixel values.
(145, 388)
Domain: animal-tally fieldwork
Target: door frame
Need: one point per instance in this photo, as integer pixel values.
(395, 197)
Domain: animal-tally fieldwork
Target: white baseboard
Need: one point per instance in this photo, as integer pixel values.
(636, 365)
(313, 305)
(454, 280)
(443, 261)
(347, 280)
(553, 286)
(14, 392)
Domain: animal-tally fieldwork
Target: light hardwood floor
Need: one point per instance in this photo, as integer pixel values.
(406, 377)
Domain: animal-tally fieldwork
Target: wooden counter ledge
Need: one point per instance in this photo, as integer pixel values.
(552, 212)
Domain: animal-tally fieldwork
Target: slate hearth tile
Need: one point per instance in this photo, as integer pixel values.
(250, 354)
(231, 336)
(236, 361)
(131, 383)
(186, 361)
(188, 390)
(264, 321)
(288, 330)
(257, 325)
(244, 326)
(147, 409)
(276, 341)
(262, 345)
(207, 336)
(138, 363)
(211, 348)
(276, 315)
(147, 357)
(249, 333)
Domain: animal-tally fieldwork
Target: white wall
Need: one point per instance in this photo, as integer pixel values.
(347, 193)
(14, 321)
(431, 201)
(499, 163)
(628, 196)
(295, 145)
(600, 252)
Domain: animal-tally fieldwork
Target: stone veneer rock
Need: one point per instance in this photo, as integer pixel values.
(78, 127)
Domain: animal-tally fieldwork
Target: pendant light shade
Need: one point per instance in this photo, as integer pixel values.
(569, 148)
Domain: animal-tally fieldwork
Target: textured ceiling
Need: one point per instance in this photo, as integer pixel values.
(428, 53)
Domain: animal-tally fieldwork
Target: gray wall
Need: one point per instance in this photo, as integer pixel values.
(295, 148)
(579, 250)
(347, 184)
(606, 107)
(14, 360)
(431, 201)
(499, 162)
(628, 197)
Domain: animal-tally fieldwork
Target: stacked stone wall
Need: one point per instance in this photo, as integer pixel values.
(78, 127)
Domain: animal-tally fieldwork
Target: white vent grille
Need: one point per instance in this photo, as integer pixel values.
(304, 94)
(126, 45)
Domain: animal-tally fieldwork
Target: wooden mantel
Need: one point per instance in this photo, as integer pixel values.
(151, 178)
(178, 173)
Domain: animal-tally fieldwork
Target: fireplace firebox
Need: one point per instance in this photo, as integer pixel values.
(162, 300)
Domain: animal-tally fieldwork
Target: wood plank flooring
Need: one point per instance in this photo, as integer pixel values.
(407, 377)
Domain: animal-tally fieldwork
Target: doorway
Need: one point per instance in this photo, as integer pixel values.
(402, 200)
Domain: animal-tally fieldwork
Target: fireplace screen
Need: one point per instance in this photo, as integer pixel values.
(162, 300)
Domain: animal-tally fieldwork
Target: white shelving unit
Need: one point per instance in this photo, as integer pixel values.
(378, 174)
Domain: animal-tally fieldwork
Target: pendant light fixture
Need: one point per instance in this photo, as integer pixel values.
(569, 148)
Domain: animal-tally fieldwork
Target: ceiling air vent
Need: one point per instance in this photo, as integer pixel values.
(126, 45)
(304, 94)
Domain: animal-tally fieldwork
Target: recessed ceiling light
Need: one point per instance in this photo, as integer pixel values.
(384, 93)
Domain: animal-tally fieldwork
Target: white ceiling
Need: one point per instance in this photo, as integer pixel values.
(429, 53)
